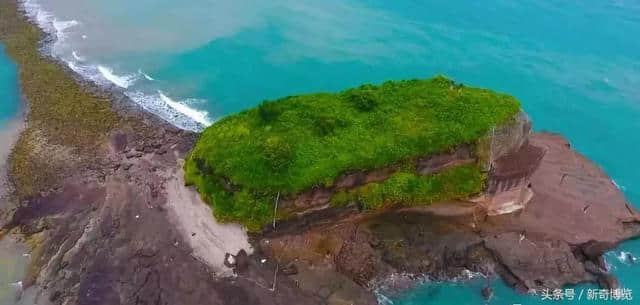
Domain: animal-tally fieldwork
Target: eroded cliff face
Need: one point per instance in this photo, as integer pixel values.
(496, 150)
(506, 139)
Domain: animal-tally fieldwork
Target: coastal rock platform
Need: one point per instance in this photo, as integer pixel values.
(575, 215)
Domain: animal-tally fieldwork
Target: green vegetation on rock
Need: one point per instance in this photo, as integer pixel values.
(412, 189)
(241, 163)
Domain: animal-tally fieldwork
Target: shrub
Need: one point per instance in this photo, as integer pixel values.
(269, 111)
(362, 100)
(277, 153)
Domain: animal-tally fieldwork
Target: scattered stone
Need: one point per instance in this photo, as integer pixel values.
(55, 296)
(133, 154)
(229, 260)
(593, 268)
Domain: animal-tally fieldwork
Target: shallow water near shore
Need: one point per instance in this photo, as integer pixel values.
(575, 66)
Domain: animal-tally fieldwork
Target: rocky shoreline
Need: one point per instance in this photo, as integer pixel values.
(123, 229)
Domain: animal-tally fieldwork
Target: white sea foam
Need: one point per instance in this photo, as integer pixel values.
(389, 286)
(158, 105)
(199, 116)
(17, 285)
(145, 75)
(620, 187)
(61, 25)
(176, 112)
(626, 257)
(382, 299)
(121, 81)
(77, 57)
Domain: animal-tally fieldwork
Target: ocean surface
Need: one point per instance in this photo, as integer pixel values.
(575, 66)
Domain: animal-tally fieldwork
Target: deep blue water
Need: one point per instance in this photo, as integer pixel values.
(574, 65)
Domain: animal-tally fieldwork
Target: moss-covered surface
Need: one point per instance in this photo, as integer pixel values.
(241, 163)
(61, 112)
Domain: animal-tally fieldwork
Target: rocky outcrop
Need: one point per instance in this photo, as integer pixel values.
(575, 216)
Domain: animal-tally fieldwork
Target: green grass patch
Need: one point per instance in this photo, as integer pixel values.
(408, 188)
(286, 146)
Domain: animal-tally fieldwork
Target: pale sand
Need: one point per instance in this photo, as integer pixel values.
(212, 240)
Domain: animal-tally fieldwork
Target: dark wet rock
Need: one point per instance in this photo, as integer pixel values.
(608, 281)
(595, 249)
(229, 260)
(289, 269)
(487, 293)
(593, 268)
(242, 262)
(55, 296)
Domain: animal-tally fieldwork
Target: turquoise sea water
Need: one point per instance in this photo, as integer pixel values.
(8, 89)
(575, 65)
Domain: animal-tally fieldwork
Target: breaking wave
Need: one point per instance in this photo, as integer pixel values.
(145, 75)
(121, 81)
(390, 286)
(77, 57)
(178, 113)
(626, 258)
(198, 116)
